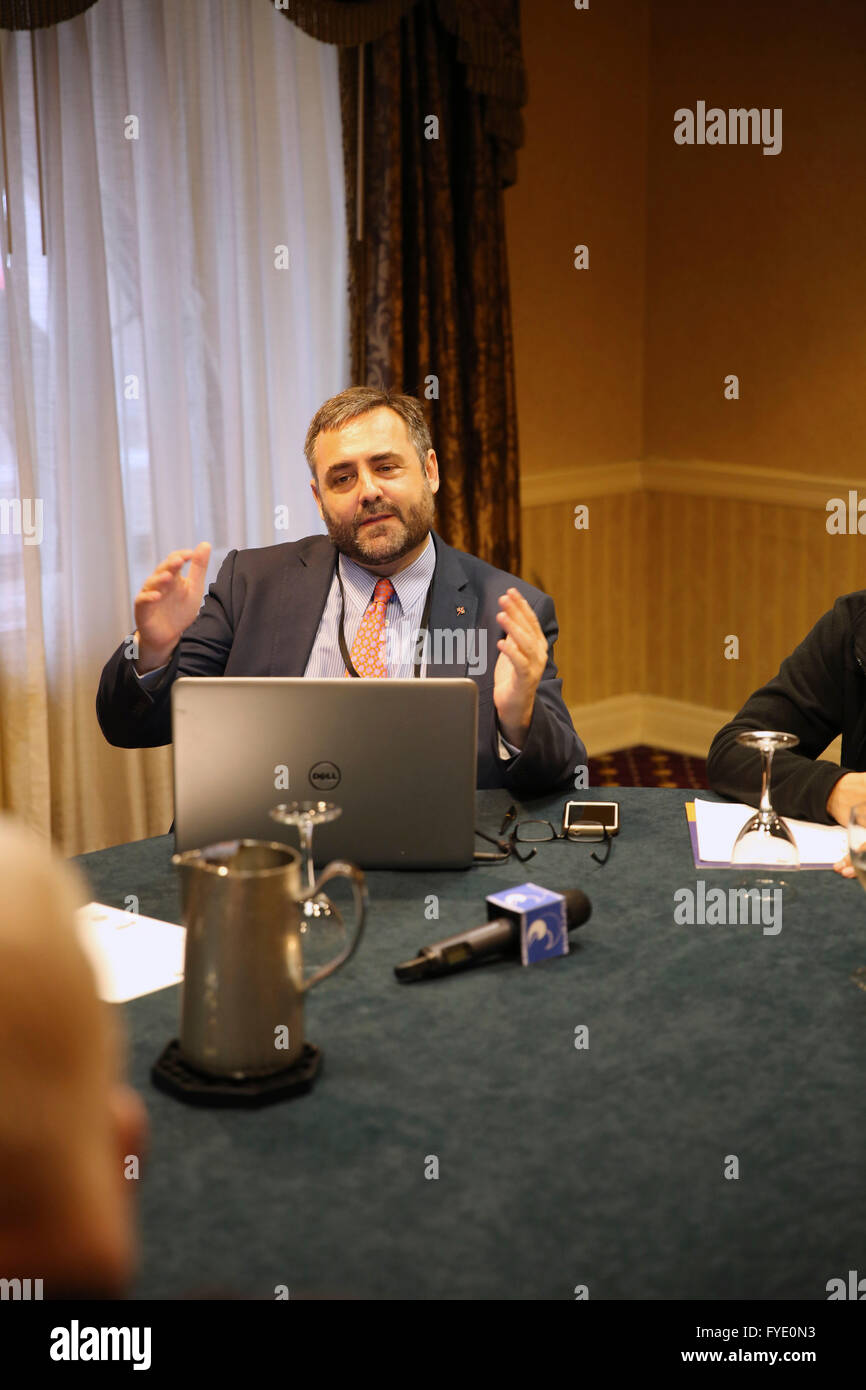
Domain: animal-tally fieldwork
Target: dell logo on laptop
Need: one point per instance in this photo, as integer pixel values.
(324, 776)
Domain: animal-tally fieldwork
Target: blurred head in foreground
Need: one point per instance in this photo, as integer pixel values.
(66, 1122)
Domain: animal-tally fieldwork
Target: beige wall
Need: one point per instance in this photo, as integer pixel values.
(707, 516)
(596, 579)
(755, 264)
(581, 179)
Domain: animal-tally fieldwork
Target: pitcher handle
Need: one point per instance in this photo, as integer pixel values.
(340, 868)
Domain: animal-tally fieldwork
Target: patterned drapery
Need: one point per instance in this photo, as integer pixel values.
(39, 14)
(442, 84)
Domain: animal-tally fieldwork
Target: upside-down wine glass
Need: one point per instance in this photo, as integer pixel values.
(857, 840)
(857, 855)
(323, 933)
(766, 840)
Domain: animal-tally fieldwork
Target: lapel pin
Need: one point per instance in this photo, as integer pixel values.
(461, 610)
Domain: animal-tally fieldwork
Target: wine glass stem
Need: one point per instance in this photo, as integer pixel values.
(766, 808)
(305, 833)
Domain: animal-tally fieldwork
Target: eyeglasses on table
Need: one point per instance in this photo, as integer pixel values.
(514, 832)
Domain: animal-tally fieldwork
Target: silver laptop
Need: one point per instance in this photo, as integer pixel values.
(398, 756)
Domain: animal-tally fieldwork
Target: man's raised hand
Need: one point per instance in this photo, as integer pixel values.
(519, 666)
(167, 602)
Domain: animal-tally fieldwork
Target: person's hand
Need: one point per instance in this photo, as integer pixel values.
(848, 792)
(167, 603)
(519, 666)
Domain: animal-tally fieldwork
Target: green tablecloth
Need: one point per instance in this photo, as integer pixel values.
(558, 1167)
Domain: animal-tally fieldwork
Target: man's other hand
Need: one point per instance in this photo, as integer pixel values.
(519, 666)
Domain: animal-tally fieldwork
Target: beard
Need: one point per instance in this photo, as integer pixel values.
(382, 545)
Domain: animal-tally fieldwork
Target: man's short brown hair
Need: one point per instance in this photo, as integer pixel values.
(360, 400)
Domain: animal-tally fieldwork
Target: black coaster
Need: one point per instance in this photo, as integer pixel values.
(172, 1074)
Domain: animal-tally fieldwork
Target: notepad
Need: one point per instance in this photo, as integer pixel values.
(715, 825)
(131, 955)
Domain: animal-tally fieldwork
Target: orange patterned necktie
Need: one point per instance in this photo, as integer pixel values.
(368, 648)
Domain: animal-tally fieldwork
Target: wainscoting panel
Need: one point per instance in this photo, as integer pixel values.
(652, 593)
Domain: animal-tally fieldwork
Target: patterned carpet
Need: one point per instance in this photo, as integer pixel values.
(643, 766)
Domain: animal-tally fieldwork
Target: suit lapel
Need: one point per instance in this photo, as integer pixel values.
(304, 587)
(453, 609)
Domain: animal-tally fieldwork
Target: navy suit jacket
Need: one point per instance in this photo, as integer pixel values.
(260, 617)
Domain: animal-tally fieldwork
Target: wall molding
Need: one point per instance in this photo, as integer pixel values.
(680, 726)
(691, 477)
(605, 725)
(576, 484)
(624, 720)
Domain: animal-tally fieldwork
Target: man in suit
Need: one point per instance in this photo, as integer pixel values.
(354, 601)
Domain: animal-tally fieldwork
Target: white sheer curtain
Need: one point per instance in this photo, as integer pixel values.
(160, 365)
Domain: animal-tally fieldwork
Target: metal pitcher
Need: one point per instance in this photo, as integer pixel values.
(242, 1011)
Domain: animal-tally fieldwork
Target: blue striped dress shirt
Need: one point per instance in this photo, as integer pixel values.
(402, 616)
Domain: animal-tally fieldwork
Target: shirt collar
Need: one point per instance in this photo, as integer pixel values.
(361, 583)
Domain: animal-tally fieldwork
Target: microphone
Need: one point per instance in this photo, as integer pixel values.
(500, 937)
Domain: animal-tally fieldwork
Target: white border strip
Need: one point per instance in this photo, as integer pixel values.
(692, 477)
(624, 720)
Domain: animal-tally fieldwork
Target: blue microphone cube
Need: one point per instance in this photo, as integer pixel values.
(541, 916)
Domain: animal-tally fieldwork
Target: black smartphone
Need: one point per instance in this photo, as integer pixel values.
(589, 814)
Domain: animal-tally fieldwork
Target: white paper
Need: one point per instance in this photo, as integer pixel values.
(719, 824)
(131, 955)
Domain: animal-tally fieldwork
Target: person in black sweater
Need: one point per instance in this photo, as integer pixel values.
(819, 693)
